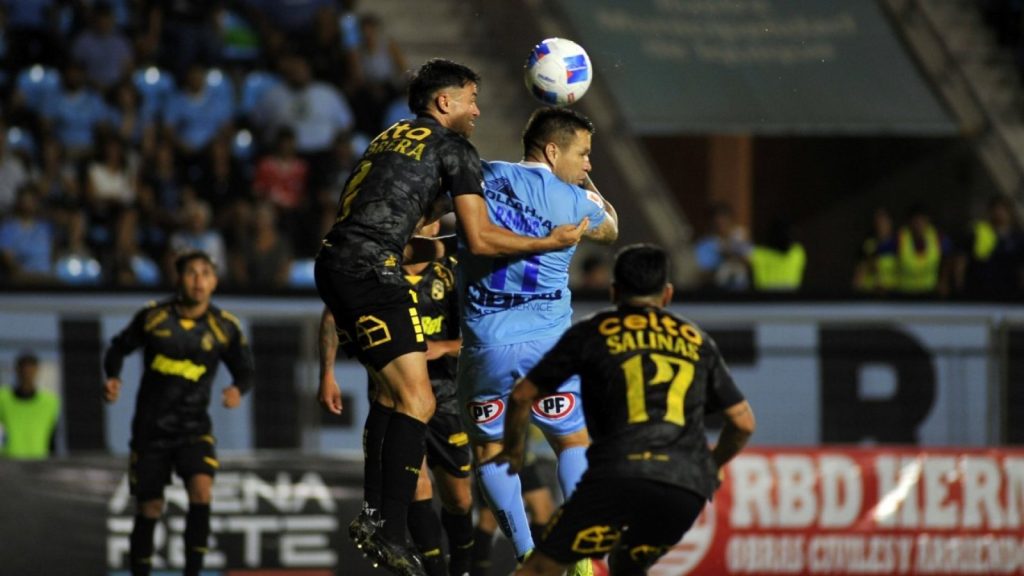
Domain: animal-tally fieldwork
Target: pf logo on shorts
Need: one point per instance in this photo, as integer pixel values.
(554, 407)
(484, 412)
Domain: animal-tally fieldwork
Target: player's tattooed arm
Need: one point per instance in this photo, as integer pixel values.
(329, 394)
(739, 426)
(608, 230)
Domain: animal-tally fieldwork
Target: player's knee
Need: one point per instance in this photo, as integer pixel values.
(458, 503)
(151, 508)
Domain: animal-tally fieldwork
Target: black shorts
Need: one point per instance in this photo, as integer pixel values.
(377, 322)
(150, 467)
(448, 445)
(591, 522)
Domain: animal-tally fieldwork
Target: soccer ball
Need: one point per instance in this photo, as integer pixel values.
(558, 71)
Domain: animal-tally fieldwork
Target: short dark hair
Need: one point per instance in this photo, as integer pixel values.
(640, 270)
(182, 260)
(26, 359)
(553, 124)
(435, 74)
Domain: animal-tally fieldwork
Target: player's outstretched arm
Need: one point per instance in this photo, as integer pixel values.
(329, 393)
(739, 426)
(484, 238)
(516, 422)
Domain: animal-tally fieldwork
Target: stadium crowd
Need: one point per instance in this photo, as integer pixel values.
(133, 130)
(136, 129)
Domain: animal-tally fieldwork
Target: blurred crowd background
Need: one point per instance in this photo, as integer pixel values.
(134, 129)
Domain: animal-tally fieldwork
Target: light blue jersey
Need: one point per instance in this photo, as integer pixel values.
(512, 300)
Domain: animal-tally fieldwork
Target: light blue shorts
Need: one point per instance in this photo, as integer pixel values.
(486, 377)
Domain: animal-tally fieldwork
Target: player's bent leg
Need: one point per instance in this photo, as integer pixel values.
(503, 492)
(457, 519)
(197, 522)
(407, 381)
(572, 458)
(406, 378)
(425, 527)
(539, 564)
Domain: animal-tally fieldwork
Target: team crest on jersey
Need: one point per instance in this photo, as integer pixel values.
(555, 406)
(485, 412)
(437, 290)
(207, 342)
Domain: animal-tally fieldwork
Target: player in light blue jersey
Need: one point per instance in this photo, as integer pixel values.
(514, 309)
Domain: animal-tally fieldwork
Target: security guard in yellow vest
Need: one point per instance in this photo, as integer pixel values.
(878, 268)
(778, 264)
(920, 255)
(994, 253)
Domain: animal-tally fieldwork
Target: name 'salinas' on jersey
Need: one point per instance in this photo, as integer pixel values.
(180, 359)
(406, 173)
(648, 377)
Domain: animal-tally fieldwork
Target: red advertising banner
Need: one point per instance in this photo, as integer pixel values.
(860, 511)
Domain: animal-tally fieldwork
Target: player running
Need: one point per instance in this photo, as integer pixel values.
(183, 341)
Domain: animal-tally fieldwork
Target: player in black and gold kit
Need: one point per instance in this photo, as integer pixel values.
(409, 175)
(648, 379)
(432, 285)
(183, 341)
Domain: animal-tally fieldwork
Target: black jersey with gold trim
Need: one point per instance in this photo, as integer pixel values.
(438, 306)
(180, 359)
(648, 377)
(406, 173)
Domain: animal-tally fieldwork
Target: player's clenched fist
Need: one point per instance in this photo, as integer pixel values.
(112, 389)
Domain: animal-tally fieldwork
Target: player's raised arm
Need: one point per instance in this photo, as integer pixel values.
(608, 230)
(329, 393)
(484, 238)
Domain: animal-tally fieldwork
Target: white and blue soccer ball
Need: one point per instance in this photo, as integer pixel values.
(558, 71)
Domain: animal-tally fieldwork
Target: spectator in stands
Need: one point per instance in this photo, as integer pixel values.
(195, 234)
(160, 179)
(14, 172)
(991, 262)
(187, 33)
(227, 188)
(379, 73)
(877, 270)
(265, 259)
(131, 266)
(28, 414)
(281, 179)
(128, 120)
(777, 264)
(722, 253)
(316, 111)
(59, 184)
(104, 51)
(26, 240)
(193, 119)
(74, 114)
(75, 263)
(32, 32)
(923, 255)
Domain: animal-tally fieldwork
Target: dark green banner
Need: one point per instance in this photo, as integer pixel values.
(756, 66)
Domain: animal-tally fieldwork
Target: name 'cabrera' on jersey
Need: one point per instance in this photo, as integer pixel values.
(648, 377)
(404, 174)
(512, 300)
